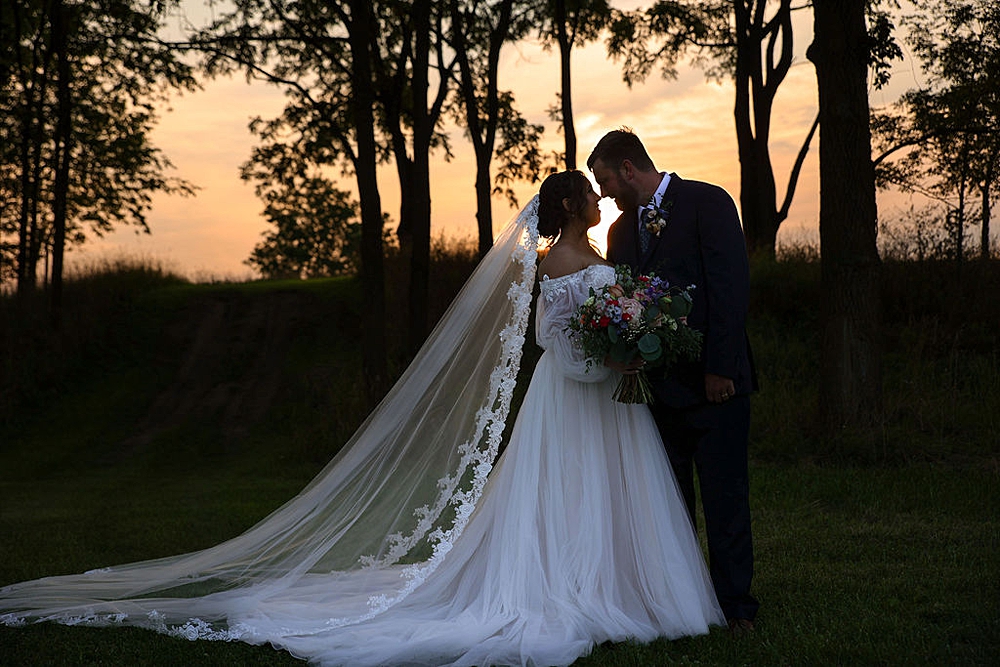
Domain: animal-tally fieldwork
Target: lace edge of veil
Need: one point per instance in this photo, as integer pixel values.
(491, 419)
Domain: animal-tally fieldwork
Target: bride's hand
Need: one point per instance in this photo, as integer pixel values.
(630, 368)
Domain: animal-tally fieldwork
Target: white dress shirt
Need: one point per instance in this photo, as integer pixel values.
(661, 189)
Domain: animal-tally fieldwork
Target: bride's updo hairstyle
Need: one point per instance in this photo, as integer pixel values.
(572, 185)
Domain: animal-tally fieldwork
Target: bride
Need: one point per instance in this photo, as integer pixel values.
(411, 547)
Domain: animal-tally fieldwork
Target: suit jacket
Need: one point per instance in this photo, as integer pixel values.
(702, 244)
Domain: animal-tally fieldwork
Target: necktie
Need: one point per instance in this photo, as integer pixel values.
(645, 237)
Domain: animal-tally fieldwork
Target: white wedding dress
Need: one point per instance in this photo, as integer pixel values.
(412, 548)
(580, 536)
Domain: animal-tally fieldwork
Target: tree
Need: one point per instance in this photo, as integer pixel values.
(82, 82)
(361, 28)
(750, 40)
(942, 141)
(358, 80)
(850, 360)
(479, 30)
(758, 74)
(402, 68)
(344, 68)
(568, 24)
(316, 229)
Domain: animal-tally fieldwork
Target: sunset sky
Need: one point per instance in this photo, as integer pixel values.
(686, 124)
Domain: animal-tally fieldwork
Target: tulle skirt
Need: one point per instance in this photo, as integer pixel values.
(580, 537)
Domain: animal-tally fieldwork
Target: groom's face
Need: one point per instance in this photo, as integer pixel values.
(617, 184)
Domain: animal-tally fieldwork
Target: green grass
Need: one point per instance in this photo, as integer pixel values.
(854, 565)
(173, 416)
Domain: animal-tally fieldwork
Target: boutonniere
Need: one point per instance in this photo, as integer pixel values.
(655, 218)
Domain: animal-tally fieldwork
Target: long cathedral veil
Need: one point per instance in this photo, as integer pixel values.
(374, 523)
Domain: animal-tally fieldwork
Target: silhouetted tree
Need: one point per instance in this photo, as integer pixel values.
(850, 379)
(479, 30)
(412, 48)
(81, 85)
(316, 232)
(943, 141)
(352, 98)
(356, 77)
(569, 24)
(749, 40)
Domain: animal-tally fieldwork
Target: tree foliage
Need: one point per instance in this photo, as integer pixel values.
(336, 63)
(316, 229)
(943, 140)
(81, 83)
(339, 116)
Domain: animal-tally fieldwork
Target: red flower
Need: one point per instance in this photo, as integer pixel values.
(604, 321)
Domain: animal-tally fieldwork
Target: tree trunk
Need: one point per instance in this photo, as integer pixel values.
(63, 151)
(404, 172)
(482, 132)
(23, 284)
(850, 390)
(420, 197)
(35, 232)
(984, 234)
(372, 271)
(960, 222)
(757, 188)
(484, 204)
(763, 57)
(566, 97)
(758, 194)
(31, 148)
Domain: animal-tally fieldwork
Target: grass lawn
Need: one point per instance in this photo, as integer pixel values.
(854, 565)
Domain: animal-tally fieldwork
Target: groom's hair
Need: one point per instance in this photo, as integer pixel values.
(617, 146)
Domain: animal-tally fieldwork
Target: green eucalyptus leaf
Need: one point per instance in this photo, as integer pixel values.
(650, 345)
(680, 305)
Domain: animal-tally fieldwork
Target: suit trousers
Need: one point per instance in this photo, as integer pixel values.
(712, 439)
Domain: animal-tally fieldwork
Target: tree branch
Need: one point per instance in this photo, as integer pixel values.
(793, 178)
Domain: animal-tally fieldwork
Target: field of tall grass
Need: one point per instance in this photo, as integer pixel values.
(167, 416)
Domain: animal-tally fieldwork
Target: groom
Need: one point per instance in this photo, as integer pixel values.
(689, 232)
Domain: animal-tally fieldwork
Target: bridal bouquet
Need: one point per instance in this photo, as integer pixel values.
(637, 317)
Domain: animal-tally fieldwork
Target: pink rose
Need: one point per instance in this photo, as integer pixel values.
(632, 308)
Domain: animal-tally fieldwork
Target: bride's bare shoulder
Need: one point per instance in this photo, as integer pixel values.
(561, 262)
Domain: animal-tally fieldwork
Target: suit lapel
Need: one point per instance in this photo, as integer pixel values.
(632, 216)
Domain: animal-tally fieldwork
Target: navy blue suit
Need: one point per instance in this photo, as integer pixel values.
(703, 245)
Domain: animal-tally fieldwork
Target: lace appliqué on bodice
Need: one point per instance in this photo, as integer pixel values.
(595, 275)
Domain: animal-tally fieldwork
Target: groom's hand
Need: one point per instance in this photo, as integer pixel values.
(718, 389)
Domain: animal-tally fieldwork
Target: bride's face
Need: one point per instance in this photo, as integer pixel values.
(591, 211)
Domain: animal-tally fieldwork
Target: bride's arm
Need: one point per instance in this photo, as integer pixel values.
(552, 335)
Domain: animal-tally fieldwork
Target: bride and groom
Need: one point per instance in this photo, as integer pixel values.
(412, 547)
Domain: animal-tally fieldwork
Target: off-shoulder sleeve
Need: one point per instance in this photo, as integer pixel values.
(555, 307)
